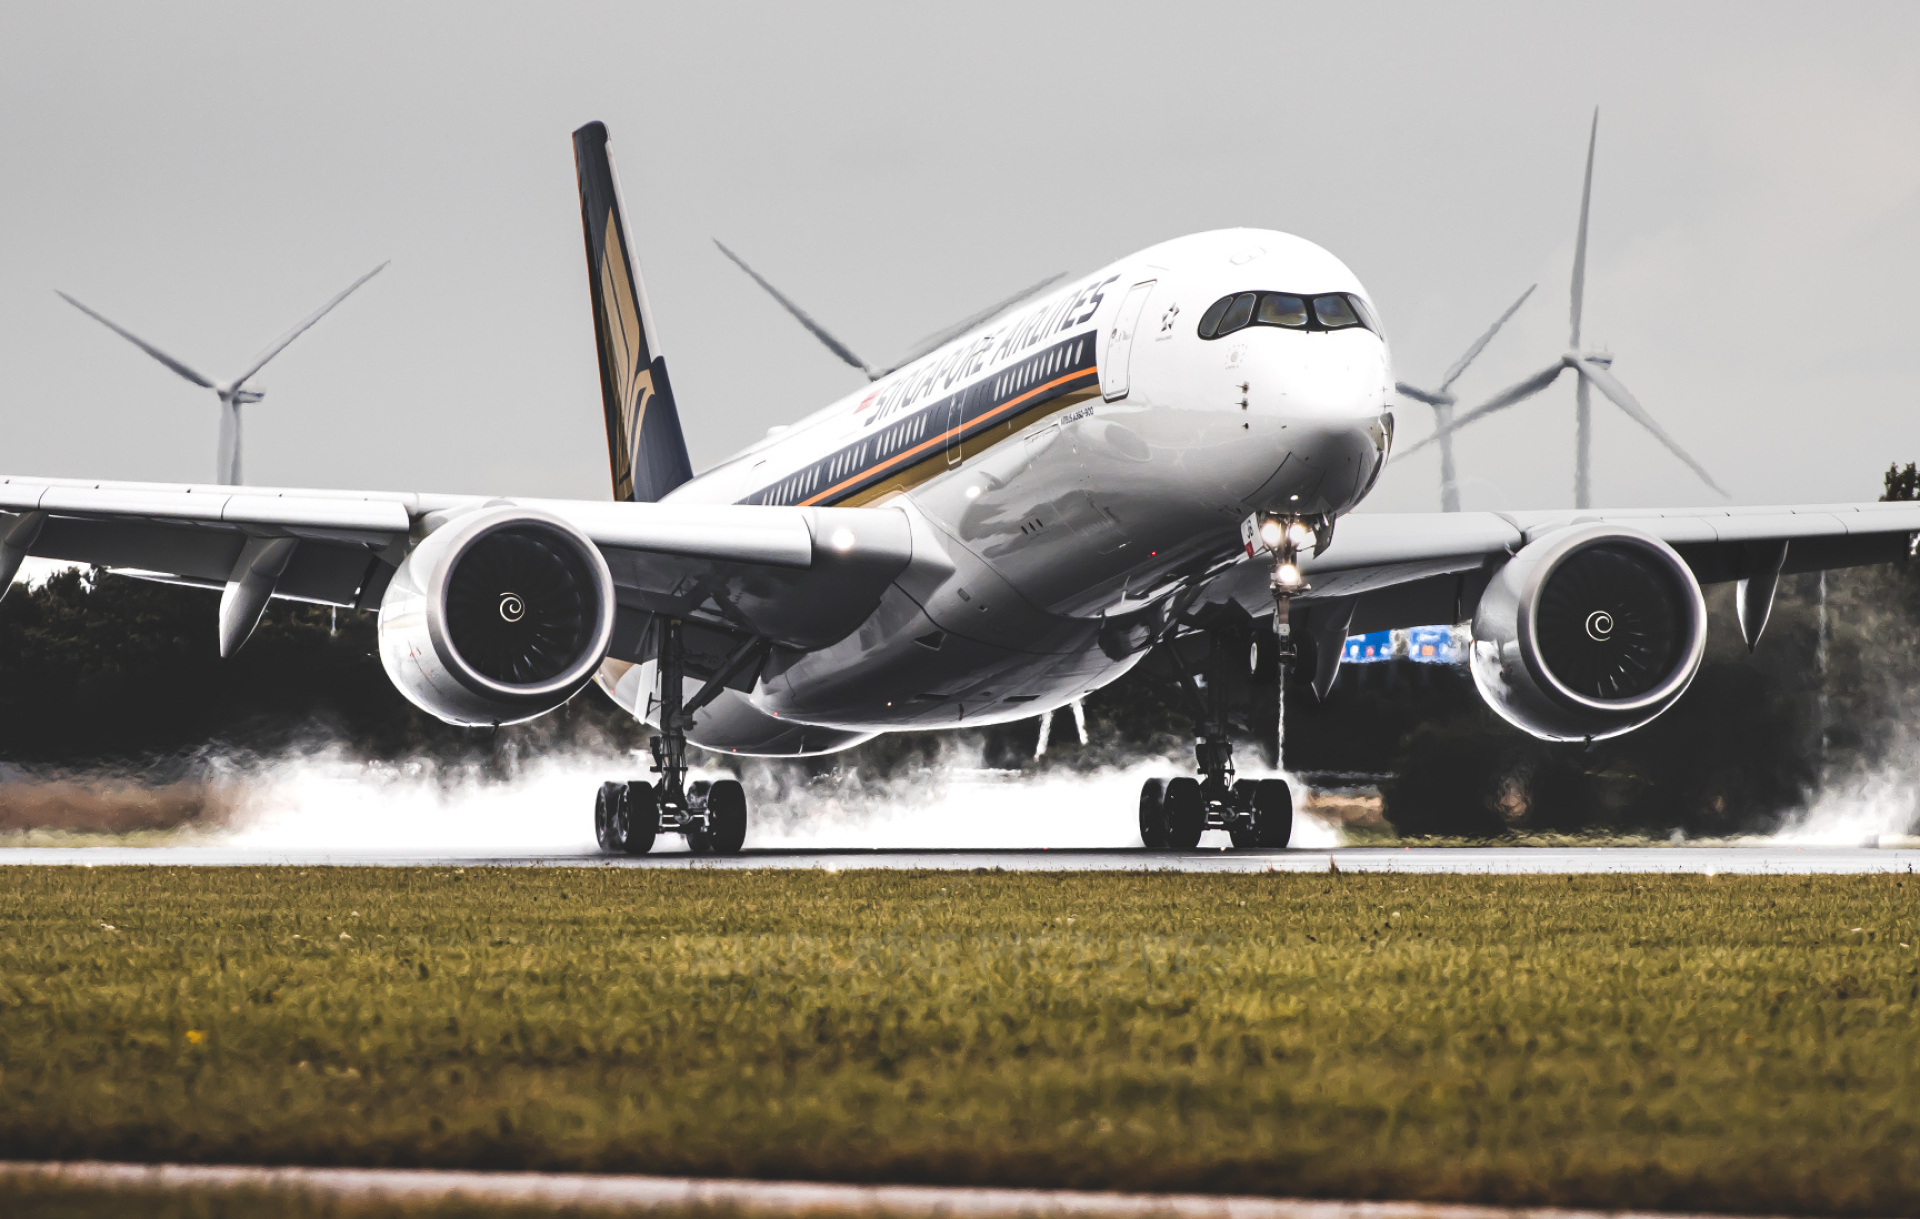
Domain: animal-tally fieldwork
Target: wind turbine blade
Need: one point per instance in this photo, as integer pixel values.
(941, 338)
(142, 344)
(1460, 365)
(800, 315)
(1421, 395)
(1499, 402)
(280, 344)
(1580, 241)
(1608, 384)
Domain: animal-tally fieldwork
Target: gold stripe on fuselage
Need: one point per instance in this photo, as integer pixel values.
(934, 447)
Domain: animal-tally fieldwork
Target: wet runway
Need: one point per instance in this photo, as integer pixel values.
(1491, 860)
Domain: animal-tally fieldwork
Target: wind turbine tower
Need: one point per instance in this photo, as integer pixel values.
(232, 394)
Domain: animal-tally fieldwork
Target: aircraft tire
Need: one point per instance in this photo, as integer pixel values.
(1272, 813)
(608, 827)
(1186, 813)
(1244, 833)
(640, 818)
(727, 815)
(700, 842)
(1153, 814)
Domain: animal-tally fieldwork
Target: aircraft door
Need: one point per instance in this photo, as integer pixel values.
(956, 421)
(1113, 366)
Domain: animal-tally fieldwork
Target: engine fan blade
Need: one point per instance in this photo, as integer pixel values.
(1460, 365)
(143, 345)
(1499, 402)
(800, 315)
(280, 344)
(1609, 385)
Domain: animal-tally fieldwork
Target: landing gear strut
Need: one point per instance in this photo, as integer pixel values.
(628, 817)
(1254, 812)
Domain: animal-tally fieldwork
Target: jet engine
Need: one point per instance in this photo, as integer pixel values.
(499, 615)
(1588, 632)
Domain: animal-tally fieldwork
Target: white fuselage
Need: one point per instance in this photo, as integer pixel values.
(1073, 461)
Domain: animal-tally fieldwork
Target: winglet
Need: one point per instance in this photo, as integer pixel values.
(644, 441)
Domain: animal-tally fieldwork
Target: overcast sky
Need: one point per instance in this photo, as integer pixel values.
(207, 174)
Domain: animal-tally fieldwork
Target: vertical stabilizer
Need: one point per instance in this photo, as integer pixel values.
(644, 441)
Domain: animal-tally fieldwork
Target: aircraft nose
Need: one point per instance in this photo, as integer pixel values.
(1326, 380)
(1322, 401)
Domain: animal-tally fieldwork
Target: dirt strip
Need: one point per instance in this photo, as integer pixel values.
(635, 1194)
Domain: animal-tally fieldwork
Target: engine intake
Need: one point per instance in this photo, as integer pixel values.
(1588, 633)
(498, 616)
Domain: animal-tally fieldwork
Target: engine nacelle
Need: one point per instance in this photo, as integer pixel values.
(1588, 633)
(499, 616)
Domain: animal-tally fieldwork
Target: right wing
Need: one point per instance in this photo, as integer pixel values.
(795, 577)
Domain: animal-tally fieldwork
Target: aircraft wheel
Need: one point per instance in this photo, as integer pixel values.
(700, 842)
(1186, 812)
(608, 827)
(1245, 830)
(639, 818)
(1272, 813)
(727, 817)
(1153, 814)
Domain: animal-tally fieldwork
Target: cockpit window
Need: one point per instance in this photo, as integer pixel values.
(1329, 311)
(1366, 314)
(1334, 312)
(1210, 320)
(1277, 309)
(1239, 313)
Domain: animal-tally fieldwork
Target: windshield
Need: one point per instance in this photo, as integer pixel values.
(1334, 312)
(1287, 310)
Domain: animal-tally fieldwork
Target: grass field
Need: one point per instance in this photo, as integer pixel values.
(1742, 1044)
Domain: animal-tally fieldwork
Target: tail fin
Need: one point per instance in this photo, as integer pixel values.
(644, 441)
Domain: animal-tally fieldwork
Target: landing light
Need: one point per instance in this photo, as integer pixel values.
(1271, 531)
(973, 492)
(1288, 575)
(842, 540)
(1299, 533)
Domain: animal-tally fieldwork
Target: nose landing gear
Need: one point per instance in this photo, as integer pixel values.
(628, 817)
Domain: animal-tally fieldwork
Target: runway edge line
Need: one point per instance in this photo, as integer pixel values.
(641, 1193)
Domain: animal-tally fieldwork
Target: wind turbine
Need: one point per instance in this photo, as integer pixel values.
(1591, 369)
(931, 342)
(1443, 403)
(232, 394)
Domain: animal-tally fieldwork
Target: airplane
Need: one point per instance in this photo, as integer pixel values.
(1162, 455)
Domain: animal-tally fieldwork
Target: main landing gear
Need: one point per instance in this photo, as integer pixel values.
(628, 817)
(1254, 812)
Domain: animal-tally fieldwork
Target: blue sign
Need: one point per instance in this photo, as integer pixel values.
(1368, 649)
(1432, 645)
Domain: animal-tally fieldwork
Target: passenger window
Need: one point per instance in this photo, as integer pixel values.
(1334, 312)
(1239, 313)
(1279, 310)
